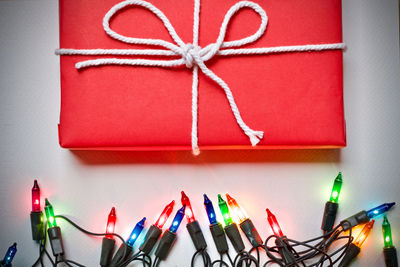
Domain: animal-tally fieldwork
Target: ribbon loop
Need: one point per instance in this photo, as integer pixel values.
(220, 43)
(250, 39)
(145, 41)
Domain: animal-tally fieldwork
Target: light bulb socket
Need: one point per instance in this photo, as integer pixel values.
(150, 239)
(251, 233)
(351, 252)
(197, 235)
(165, 245)
(284, 251)
(390, 255)
(354, 220)
(219, 237)
(328, 220)
(56, 241)
(233, 234)
(37, 225)
(107, 249)
(123, 252)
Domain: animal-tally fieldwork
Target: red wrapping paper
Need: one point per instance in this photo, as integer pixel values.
(295, 98)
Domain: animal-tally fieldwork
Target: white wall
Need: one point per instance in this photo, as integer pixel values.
(295, 184)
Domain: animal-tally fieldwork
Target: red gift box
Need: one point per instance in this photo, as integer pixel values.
(296, 98)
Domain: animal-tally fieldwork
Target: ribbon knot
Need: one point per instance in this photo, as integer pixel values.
(192, 56)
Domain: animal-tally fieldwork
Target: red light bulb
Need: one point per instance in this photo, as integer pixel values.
(274, 224)
(35, 197)
(165, 215)
(112, 218)
(188, 211)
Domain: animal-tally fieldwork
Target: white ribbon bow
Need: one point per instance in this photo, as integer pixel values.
(192, 55)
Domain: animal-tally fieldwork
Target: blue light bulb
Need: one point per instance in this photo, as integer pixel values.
(210, 210)
(136, 232)
(372, 213)
(8, 258)
(177, 220)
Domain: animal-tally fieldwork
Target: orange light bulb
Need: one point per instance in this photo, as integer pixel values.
(236, 209)
(364, 234)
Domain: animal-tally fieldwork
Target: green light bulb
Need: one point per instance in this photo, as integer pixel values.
(224, 210)
(387, 233)
(337, 185)
(51, 220)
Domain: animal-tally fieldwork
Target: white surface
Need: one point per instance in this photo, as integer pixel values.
(294, 184)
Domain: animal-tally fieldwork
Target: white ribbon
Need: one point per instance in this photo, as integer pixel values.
(191, 55)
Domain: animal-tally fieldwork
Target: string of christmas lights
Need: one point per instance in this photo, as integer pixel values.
(335, 247)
